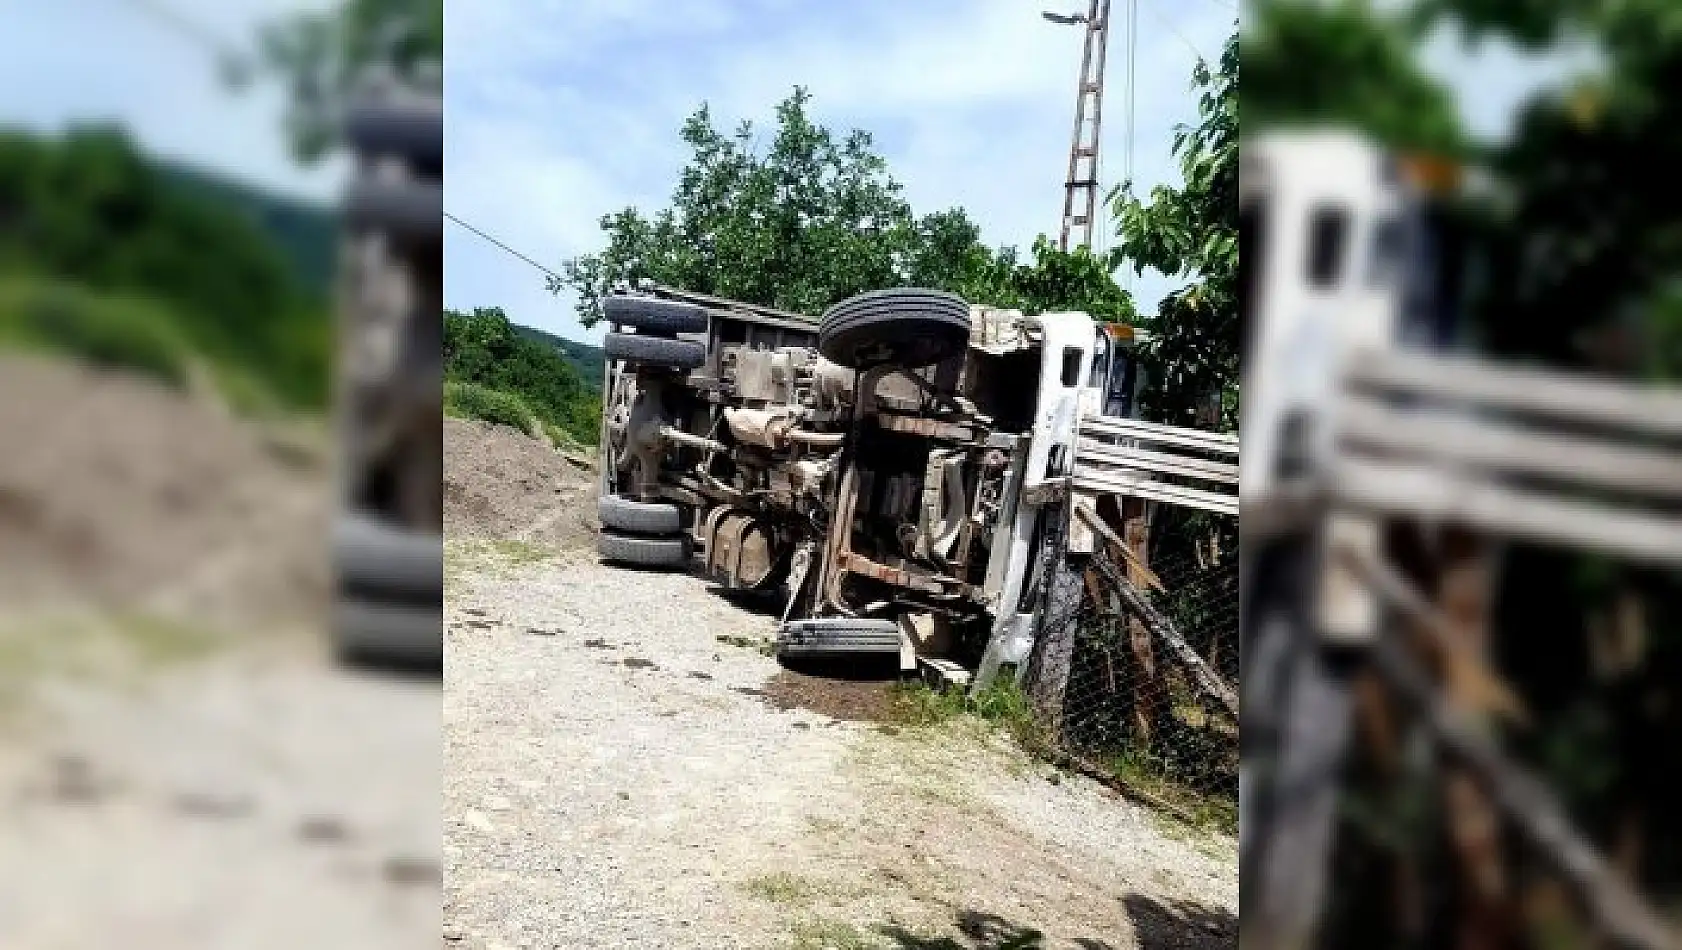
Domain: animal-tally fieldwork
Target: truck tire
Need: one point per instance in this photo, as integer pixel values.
(410, 212)
(412, 129)
(654, 351)
(902, 326)
(643, 552)
(654, 316)
(639, 517)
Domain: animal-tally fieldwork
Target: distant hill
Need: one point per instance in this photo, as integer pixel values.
(587, 359)
(304, 232)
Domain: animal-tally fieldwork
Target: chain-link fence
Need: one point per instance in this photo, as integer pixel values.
(1134, 705)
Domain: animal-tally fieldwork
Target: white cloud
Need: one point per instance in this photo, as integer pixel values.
(560, 112)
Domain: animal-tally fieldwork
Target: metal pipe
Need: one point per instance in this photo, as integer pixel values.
(681, 437)
(825, 439)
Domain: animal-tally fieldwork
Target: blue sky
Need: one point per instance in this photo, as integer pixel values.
(561, 110)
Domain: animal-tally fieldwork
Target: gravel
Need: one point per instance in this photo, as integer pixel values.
(624, 782)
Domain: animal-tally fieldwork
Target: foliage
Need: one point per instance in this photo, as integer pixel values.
(110, 331)
(472, 401)
(305, 233)
(485, 350)
(809, 221)
(1345, 62)
(320, 55)
(1192, 232)
(587, 360)
(1054, 280)
(89, 207)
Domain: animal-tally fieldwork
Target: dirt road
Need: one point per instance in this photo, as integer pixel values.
(615, 777)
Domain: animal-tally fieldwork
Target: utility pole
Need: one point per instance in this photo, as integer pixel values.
(1080, 189)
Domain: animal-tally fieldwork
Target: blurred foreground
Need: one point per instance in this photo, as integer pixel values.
(187, 761)
(1463, 454)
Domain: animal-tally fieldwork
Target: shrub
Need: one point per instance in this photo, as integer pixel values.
(113, 331)
(473, 401)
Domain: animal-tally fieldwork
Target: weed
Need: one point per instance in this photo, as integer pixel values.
(829, 935)
(780, 888)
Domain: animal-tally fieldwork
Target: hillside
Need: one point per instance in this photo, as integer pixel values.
(108, 253)
(304, 232)
(586, 359)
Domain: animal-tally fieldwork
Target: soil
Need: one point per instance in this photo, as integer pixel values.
(503, 484)
(118, 492)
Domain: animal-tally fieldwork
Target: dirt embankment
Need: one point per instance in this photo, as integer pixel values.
(122, 494)
(503, 484)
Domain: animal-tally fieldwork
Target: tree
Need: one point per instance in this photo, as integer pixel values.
(1345, 62)
(1192, 232)
(805, 223)
(320, 56)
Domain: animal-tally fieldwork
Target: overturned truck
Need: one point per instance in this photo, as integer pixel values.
(909, 467)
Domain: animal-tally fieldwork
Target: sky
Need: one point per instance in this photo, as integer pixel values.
(559, 111)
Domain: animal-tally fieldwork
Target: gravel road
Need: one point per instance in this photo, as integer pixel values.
(256, 798)
(614, 777)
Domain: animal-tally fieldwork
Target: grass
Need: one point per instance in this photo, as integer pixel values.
(781, 888)
(917, 705)
(110, 331)
(829, 935)
(473, 401)
(498, 556)
(1146, 773)
(107, 648)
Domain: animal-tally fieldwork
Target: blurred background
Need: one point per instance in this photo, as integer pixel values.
(188, 760)
(1520, 790)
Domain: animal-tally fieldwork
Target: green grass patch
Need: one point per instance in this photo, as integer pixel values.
(829, 935)
(110, 331)
(473, 401)
(1147, 773)
(781, 888)
(1002, 706)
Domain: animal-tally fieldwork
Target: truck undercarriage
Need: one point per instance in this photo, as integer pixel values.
(899, 467)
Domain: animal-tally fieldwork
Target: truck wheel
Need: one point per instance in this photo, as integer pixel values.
(655, 316)
(639, 517)
(903, 326)
(654, 351)
(643, 552)
(409, 211)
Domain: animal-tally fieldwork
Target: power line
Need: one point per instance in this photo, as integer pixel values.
(185, 26)
(503, 246)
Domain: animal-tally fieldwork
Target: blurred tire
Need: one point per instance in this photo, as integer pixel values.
(374, 556)
(388, 635)
(412, 130)
(409, 212)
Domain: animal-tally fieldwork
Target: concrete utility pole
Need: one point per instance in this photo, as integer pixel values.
(1080, 189)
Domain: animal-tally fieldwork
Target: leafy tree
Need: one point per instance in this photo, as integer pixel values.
(1052, 279)
(809, 221)
(1192, 232)
(320, 55)
(1345, 62)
